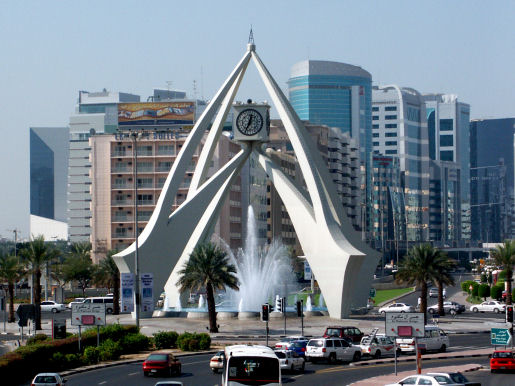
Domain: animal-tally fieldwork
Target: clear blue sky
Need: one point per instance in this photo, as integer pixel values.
(52, 49)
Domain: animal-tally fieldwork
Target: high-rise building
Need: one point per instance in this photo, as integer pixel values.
(448, 124)
(492, 187)
(48, 180)
(399, 129)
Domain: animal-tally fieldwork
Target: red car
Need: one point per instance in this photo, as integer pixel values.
(502, 360)
(163, 363)
(352, 333)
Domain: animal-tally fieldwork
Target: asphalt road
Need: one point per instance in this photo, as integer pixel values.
(196, 372)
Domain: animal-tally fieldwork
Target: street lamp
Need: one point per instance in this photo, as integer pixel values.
(134, 136)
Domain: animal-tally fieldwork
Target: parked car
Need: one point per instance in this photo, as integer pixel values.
(161, 301)
(332, 349)
(75, 301)
(396, 307)
(284, 342)
(168, 383)
(435, 380)
(434, 338)
(217, 361)
(353, 333)
(488, 306)
(457, 377)
(378, 346)
(502, 360)
(108, 301)
(48, 379)
(289, 360)
(164, 363)
(51, 306)
(297, 344)
(433, 292)
(448, 307)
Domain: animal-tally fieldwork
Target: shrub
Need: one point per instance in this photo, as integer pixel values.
(193, 342)
(135, 342)
(475, 289)
(502, 275)
(72, 360)
(38, 338)
(165, 339)
(110, 350)
(183, 341)
(91, 355)
(484, 291)
(513, 295)
(204, 341)
(496, 292)
(483, 278)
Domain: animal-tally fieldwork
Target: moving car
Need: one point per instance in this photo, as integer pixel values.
(448, 307)
(284, 343)
(164, 363)
(489, 306)
(378, 345)
(169, 383)
(435, 380)
(48, 379)
(434, 338)
(457, 377)
(217, 361)
(289, 360)
(433, 292)
(51, 306)
(351, 332)
(502, 360)
(107, 300)
(332, 350)
(75, 301)
(396, 307)
(297, 345)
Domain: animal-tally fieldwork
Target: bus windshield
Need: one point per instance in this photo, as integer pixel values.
(253, 370)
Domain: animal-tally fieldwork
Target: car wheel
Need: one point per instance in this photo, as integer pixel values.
(109, 311)
(492, 371)
(496, 310)
(145, 373)
(332, 358)
(215, 371)
(292, 368)
(356, 357)
(431, 311)
(303, 366)
(377, 354)
(54, 310)
(475, 309)
(383, 313)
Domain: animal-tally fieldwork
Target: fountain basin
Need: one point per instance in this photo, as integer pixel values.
(226, 315)
(168, 314)
(312, 313)
(197, 315)
(248, 315)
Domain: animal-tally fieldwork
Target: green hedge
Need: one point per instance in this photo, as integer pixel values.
(193, 341)
(496, 291)
(483, 291)
(165, 339)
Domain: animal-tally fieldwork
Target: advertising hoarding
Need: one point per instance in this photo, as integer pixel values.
(127, 292)
(150, 113)
(89, 314)
(147, 292)
(408, 324)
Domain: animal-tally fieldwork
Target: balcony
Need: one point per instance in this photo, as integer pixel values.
(121, 218)
(121, 169)
(122, 202)
(145, 202)
(145, 169)
(163, 169)
(121, 186)
(121, 154)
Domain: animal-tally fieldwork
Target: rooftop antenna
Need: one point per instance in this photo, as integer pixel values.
(201, 82)
(194, 89)
(251, 36)
(169, 84)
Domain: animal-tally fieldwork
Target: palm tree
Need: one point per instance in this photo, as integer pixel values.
(107, 274)
(209, 268)
(504, 255)
(35, 255)
(443, 277)
(420, 267)
(11, 271)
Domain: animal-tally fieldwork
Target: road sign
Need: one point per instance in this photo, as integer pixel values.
(372, 293)
(500, 336)
(89, 314)
(409, 324)
(25, 312)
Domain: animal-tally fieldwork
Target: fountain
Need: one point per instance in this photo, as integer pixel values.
(321, 301)
(201, 302)
(309, 307)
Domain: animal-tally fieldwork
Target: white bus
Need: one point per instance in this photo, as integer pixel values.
(251, 365)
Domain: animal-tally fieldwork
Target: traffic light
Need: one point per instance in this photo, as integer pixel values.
(281, 305)
(509, 314)
(299, 308)
(264, 312)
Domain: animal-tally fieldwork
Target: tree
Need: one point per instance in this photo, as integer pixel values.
(483, 291)
(443, 266)
(504, 255)
(10, 271)
(35, 255)
(108, 275)
(420, 267)
(209, 268)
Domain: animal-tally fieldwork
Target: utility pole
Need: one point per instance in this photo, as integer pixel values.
(134, 136)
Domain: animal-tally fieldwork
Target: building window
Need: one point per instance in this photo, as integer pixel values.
(375, 108)
(375, 143)
(391, 152)
(446, 140)
(391, 143)
(413, 114)
(447, 155)
(391, 126)
(394, 134)
(375, 126)
(375, 135)
(375, 117)
(390, 117)
(390, 108)
(446, 124)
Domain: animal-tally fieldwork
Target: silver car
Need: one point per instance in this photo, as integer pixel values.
(48, 379)
(51, 306)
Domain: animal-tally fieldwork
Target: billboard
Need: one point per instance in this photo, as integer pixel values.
(147, 296)
(161, 113)
(409, 324)
(127, 292)
(88, 314)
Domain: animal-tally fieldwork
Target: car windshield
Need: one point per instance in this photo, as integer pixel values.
(443, 380)
(333, 332)
(157, 357)
(299, 344)
(45, 379)
(502, 354)
(458, 377)
(316, 343)
(280, 355)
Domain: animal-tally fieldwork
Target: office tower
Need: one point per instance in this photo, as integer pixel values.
(448, 124)
(337, 95)
(492, 179)
(48, 180)
(399, 129)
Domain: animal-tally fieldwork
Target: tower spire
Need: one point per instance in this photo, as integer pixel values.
(250, 45)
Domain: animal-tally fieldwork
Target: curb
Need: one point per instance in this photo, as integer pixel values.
(370, 363)
(123, 362)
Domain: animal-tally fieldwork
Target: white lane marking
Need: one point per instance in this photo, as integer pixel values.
(192, 363)
(133, 373)
(101, 383)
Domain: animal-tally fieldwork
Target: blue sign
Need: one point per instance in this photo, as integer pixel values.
(500, 336)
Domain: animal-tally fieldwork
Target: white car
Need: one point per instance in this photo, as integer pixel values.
(435, 339)
(433, 292)
(435, 380)
(48, 379)
(51, 306)
(290, 360)
(285, 343)
(379, 346)
(396, 307)
(332, 350)
(75, 301)
(217, 362)
(489, 306)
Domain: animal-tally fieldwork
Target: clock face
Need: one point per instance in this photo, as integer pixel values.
(249, 122)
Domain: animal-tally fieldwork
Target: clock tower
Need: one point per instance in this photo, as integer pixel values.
(251, 121)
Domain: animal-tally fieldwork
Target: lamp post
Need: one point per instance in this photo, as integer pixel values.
(134, 136)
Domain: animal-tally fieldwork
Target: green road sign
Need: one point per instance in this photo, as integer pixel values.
(500, 336)
(372, 292)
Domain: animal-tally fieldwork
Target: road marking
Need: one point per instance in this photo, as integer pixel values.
(133, 373)
(192, 363)
(101, 383)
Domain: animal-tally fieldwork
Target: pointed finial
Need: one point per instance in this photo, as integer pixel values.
(251, 46)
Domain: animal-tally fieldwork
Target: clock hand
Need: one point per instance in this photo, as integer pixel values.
(250, 121)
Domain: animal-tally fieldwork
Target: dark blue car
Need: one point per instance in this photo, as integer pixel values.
(299, 346)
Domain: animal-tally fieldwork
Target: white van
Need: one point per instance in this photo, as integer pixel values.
(434, 338)
(108, 301)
